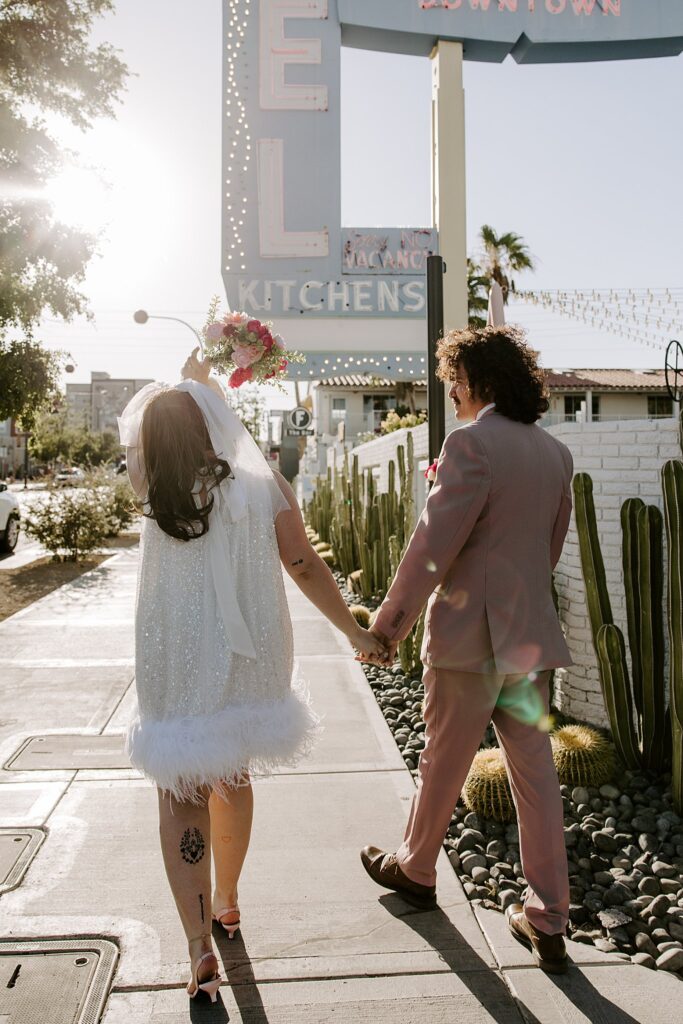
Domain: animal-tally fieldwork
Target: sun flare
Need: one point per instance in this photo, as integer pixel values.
(80, 198)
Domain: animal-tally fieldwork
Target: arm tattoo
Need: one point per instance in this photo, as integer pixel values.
(192, 846)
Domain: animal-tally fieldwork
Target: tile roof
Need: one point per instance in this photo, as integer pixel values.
(557, 380)
(626, 380)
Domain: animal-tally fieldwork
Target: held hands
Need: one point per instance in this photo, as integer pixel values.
(373, 647)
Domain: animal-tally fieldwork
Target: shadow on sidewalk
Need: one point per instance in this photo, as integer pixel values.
(240, 976)
(438, 931)
(436, 928)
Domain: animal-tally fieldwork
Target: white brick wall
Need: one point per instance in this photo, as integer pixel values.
(624, 459)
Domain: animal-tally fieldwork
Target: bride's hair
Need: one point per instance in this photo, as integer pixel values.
(177, 452)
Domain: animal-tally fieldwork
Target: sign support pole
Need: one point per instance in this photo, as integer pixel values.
(435, 389)
(449, 184)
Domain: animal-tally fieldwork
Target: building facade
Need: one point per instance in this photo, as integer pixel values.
(96, 405)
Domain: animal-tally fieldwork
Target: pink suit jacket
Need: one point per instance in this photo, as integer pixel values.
(484, 549)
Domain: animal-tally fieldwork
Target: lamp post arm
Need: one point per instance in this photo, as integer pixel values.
(154, 316)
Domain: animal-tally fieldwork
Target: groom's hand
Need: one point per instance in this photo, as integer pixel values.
(390, 646)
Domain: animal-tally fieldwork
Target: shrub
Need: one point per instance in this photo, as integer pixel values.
(115, 496)
(70, 524)
(392, 421)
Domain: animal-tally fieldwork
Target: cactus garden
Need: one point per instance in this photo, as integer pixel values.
(621, 790)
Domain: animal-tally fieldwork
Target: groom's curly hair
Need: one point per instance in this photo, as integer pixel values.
(500, 368)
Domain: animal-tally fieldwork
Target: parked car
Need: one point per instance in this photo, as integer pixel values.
(69, 477)
(10, 518)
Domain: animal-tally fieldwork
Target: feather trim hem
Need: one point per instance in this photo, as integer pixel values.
(223, 750)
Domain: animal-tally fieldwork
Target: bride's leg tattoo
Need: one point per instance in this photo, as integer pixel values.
(192, 845)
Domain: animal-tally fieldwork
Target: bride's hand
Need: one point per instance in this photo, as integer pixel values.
(369, 647)
(196, 369)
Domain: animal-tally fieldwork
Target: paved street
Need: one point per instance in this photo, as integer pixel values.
(319, 941)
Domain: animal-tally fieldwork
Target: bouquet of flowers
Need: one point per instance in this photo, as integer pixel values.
(430, 472)
(246, 349)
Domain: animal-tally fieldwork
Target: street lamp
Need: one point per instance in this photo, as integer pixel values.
(142, 316)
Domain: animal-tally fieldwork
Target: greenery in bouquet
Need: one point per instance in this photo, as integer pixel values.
(245, 349)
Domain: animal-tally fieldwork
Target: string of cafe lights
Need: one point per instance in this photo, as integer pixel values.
(239, 156)
(647, 316)
(412, 365)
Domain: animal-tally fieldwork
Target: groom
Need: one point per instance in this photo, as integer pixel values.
(483, 553)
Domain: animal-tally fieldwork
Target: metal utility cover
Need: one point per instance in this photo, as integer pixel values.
(68, 752)
(18, 847)
(61, 981)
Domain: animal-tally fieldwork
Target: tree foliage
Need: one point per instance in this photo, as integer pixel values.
(28, 376)
(250, 406)
(504, 255)
(48, 65)
(501, 256)
(54, 439)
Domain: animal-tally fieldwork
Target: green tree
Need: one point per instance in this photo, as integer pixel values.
(51, 439)
(90, 449)
(48, 66)
(28, 378)
(503, 256)
(478, 284)
(250, 406)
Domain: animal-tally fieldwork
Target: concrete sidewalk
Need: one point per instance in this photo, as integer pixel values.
(319, 941)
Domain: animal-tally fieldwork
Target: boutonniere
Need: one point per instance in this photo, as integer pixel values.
(430, 472)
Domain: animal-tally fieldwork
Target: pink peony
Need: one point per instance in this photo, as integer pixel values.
(245, 355)
(239, 377)
(214, 331)
(235, 318)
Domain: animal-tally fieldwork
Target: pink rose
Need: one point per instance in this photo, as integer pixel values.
(214, 331)
(239, 377)
(245, 355)
(430, 473)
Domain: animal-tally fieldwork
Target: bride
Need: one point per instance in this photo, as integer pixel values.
(214, 652)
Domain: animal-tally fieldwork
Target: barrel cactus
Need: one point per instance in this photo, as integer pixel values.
(361, 614)
(487, 788)
(582, 756)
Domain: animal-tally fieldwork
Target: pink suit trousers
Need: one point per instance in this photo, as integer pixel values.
(458, 708)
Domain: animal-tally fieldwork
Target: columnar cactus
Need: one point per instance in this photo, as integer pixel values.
(642, 559)
(672, 481)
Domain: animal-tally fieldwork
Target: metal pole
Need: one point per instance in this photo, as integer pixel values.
(26, 437)
(435, 388)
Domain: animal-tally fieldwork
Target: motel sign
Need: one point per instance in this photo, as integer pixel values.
(285, 253)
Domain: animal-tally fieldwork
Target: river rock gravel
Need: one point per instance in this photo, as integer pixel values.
(624, 843)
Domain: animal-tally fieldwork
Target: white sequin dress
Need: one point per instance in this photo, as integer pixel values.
(213, 636)
(205, 714)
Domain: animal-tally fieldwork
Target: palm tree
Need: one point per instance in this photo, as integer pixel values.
(478, 284)
(503, 256)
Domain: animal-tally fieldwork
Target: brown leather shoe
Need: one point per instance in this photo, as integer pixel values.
(548, 951)
(384, 869)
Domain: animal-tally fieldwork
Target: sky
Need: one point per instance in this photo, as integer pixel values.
(584, 161)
